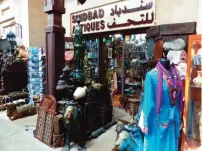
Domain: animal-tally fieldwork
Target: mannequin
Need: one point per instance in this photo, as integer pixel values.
(164, 61)
(161, 107)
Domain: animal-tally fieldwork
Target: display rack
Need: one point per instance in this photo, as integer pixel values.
(36, 74)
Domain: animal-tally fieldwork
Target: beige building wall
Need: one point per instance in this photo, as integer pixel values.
(172, 11)
(37, 23)
(168, 11)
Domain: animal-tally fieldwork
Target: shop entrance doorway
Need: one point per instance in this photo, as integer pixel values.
(122, 74)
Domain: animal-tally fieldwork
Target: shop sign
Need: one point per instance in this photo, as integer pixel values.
(122, 15)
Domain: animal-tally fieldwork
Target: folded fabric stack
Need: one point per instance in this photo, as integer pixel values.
(36, 73)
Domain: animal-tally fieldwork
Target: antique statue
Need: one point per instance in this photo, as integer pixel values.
(72, 114)
(74, 120)
(66, 85)
(74, 126)
(129, 138)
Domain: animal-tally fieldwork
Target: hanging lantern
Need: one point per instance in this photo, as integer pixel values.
(81, 1)
(11, 37)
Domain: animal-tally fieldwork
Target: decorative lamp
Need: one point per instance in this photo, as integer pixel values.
(78, 54)
(11, 37)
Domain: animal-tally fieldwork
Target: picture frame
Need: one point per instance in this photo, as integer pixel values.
(69, 45)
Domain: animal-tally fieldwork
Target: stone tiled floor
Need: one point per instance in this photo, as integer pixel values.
(13, 137)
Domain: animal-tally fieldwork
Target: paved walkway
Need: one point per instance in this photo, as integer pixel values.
(13, 137)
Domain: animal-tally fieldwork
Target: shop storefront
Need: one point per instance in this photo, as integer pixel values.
(109, 32)
(120, 51)
(118, 56)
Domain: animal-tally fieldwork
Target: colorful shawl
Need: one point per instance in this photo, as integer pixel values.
(162, 70)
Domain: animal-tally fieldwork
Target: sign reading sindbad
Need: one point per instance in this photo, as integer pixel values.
(122, 15)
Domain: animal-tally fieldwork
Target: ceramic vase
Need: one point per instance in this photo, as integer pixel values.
(198, 80)
(80, 92)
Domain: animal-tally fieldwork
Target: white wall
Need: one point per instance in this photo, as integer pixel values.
(199, 26)
(28, 13)
(37, 23)
(3, 17)
(5, 3)
(18, 10)
(168, 11)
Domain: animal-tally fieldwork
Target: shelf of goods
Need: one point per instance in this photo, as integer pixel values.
(36, 74)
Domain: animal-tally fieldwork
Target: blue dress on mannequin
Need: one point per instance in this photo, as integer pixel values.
(163, 129)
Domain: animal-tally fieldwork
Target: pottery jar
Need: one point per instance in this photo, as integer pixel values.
(198, 80)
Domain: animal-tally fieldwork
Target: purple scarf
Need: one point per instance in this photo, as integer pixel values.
(162, 70)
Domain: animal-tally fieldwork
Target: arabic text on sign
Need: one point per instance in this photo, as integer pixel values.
(130, 22)
(118, 11)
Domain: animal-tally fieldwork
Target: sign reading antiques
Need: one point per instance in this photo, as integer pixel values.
(126, 14)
